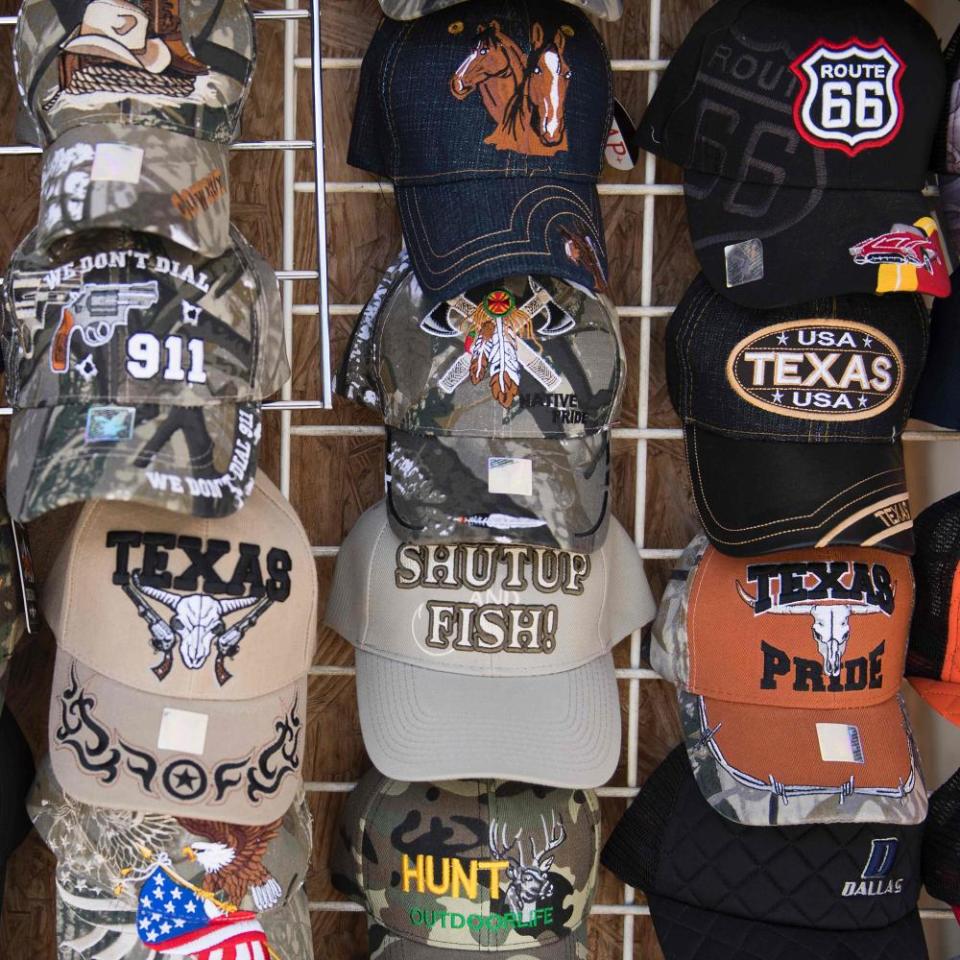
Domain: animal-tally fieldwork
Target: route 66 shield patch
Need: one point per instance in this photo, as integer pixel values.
(849, 97)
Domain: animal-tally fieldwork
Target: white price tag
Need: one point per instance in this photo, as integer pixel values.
(116, 162)
(840, 743)
(509, 476)
(182, 731)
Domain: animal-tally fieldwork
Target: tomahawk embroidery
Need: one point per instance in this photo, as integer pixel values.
(196, 621)
(498, 333)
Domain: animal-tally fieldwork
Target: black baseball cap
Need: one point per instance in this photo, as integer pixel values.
(941, 844)
(792, 417)
(16, 762)
(938, 394)
(933, 657)
(719, 890)
(805, 132)
(491, 119)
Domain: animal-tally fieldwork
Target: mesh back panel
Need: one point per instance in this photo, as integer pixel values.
(633, 850)
(939, 155)
(941, 843)
(934, 566)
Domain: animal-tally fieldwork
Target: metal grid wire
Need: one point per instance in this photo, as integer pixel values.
(645, 312)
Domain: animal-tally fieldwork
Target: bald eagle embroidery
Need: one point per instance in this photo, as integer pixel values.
(232, 859)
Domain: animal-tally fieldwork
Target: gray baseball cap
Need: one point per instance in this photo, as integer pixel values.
(498, 405)
(136, 369)
(136, 104)
(497, 636)
(411, 9)
(108, 859)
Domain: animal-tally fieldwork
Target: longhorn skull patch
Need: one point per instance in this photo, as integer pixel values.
(196, 623)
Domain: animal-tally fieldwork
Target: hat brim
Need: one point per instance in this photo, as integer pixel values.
(760, 496)
(421, 724)
(235, 760)
(687, 932)
(799, 243)
(466, 233)
(942, 696)
(102, 176)
(197, 460)
(439, 488)
(412, 9)
(782, 778)
(155, 57)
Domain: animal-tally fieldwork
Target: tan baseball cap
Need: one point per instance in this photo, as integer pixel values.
(183, 648)
(483, 638)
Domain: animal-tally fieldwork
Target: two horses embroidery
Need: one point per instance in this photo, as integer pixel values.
(524, 93)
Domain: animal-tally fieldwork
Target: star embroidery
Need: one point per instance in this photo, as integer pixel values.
(782, 339)
(152, 935)
(144, 924)
(179, 922)
(146, 901)
(170, 907)
(190, 907)
(778, 397)
(185, 779)
(176, 893)
(863, 400)
(165, 928)
(867, 341)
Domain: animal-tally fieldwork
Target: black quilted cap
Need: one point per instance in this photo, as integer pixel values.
(941, 844)
(933, 657)
(721, 891)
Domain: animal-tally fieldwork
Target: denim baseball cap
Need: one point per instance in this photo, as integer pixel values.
(491, 120)
(411, 9)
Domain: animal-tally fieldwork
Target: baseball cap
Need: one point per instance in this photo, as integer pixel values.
(792, 417)
(136, 370)
(137, 104)
(498, 404)
(933, 657)
(788, 671)
(491, 119)
(477, 631)
(469, 866)
(805, 131)
(16, 761)
(15, 593)
(722, 891)
(937, 399)
(941, 844)
(411, 9)
(109, 860)
(183, 646)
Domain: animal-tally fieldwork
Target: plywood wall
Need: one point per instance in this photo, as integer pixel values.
(334, 480)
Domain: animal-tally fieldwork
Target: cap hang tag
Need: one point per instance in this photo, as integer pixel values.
(622, 150)
(183, 731)
(744, 262)
(26, 580)
(116, 163)
(512, 477)
(840, 743)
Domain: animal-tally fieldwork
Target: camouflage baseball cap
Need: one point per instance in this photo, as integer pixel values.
(478, 630)
(471, 866)
(13, 623)
(183, 647)
(109, 861)
(788, 669)
(136, 370)
(411, 9)
(498, 405)
(136, 103)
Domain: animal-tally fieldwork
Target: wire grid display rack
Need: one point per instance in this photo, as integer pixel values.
(644, 313)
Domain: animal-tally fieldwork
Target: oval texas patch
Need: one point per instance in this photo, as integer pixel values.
(817, 370)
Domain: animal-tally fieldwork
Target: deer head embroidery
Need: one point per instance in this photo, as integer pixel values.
(529, 883)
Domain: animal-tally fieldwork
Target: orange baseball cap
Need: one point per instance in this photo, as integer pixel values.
(933, 658)
(788, 669)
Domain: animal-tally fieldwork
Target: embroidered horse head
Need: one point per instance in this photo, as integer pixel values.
(525, 94)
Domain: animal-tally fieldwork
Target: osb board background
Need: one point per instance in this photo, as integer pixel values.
(334, 480)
